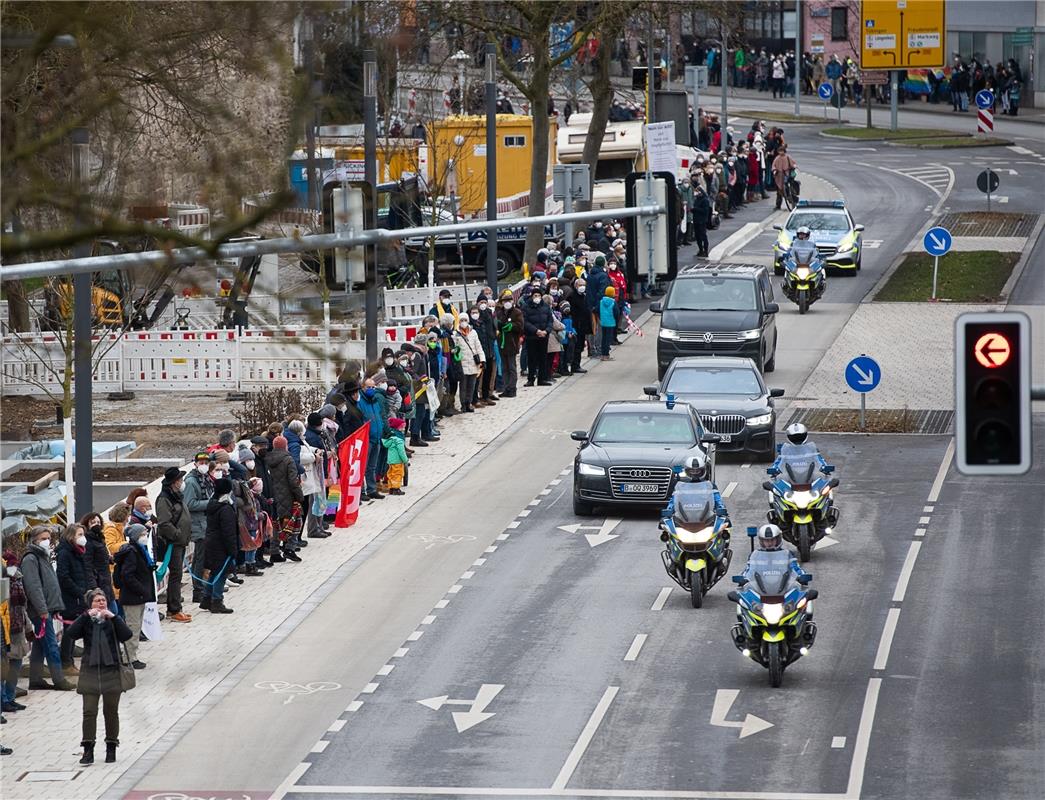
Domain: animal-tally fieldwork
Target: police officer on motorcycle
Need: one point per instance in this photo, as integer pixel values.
(770, 555)
(798, 443)
(802, 248)
(695, 471)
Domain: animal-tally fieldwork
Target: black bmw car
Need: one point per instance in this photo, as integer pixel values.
(634, 453)
(731, 398)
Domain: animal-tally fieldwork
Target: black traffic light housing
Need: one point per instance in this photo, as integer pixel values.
(992, 393)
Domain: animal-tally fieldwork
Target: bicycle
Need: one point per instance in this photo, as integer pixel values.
(405, 276)
(792, 187)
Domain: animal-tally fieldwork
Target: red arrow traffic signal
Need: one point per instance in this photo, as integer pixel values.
(992, 350)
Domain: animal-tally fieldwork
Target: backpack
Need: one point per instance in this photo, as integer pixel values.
(116, 576)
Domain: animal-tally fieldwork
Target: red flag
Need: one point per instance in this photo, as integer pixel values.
(352, 455)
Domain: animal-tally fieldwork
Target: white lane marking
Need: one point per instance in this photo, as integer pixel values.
(466, 575)
(502, 536)
(886, 642)
(319, 746)
(662, 598)
(337, 725)
(729, 488)
(527, 794)
(924, 520)
(478, 562)
(545, 491)
(355, 705)
(535, 502)
(905, 573)
(928, 509)
(442, 603)
(636, 646)
(555, 482)
(491, 549)
(749, 726)
(455, 589)
(565, 471)
(370, 688)
(574, 758)
(1023, 151)
(919, 532)
(428, 620)
(872, 244)
(513, 524)
(387, 668)
(413, 637)
(402, 651)
(838, 742)
(941, 473)
(863, 738)
(523, 513)
(288, 782)
(745, 466)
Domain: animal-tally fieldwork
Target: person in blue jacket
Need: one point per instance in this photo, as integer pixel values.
(609, 313)
(372, 405)
(695, 471)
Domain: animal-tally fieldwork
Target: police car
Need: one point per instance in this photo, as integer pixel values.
(837, 238)
(635, 451)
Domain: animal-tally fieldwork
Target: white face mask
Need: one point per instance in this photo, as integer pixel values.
(81, 540)
(342, 408)
(143, 541)
(12, 571)
(388, 362)
(249, 464)
(474, 316)
(217, 473)
(203, 468)
(482, 306)
(508, 306)
(581, 289)
(382, 386)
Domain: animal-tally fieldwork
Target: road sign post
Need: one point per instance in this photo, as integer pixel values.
(863, 375)
(825, 90)
(985, 111)
(937, 242)
(988, 183)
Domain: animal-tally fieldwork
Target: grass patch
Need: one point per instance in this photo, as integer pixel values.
(885, 133)
(964, 277)
(952, 141)
(777, 116)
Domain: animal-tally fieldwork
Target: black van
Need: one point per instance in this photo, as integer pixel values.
(724, 309)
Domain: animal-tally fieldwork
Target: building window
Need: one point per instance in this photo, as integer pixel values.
(839, 24)
(515, 141)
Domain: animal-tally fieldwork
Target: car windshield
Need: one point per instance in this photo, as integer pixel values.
(644, 428)
(834, 221)
(713, 294)
(714, 380)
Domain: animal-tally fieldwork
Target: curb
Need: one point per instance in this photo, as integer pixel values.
(1021, 265)
(902, 143)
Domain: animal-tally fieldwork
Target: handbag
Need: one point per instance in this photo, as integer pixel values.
(128, 680)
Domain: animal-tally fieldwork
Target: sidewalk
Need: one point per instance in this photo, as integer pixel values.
(193, 658)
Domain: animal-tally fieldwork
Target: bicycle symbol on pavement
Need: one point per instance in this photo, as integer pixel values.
(293, 690)
(430, 540)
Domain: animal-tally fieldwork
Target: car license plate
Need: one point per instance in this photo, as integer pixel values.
(725, 437)
(640, 488)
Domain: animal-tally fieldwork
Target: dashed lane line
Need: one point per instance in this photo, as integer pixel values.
(886, 642)
(905, 573)
(574, 758)
(729, 488)
(662, 598)
(636, 647)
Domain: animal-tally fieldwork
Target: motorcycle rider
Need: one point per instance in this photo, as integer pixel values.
(771, 556)
(695, 471)
(802, 248)
(798, 442)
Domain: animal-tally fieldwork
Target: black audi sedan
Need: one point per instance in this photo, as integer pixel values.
(731, 399)
(634, 453)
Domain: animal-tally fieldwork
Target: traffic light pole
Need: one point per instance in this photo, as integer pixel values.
(370, 176)
(80, 496)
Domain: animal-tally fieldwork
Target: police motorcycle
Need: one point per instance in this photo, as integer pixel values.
(805, 277)
(774, 608)
(800, 494)
(695, 531)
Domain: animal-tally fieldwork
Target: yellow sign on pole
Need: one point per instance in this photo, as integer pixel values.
(902, 34)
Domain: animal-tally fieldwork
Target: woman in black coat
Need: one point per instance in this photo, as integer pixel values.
(97, 557)
(220, 546)
(133, 575)
(71, 567)
(102, 632)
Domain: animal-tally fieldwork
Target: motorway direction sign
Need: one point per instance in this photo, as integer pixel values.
(863, 374)
(825, 90)
(985, 98)
(988, 181)
(937, 241)
(902, 35)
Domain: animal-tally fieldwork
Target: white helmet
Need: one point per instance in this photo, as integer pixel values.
(769, 537)
(803, 232)
(696, 468)
(797, 433)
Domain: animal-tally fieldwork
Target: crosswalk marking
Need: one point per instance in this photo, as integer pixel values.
(872, 244)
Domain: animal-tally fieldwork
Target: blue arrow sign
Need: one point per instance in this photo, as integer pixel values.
(984, 98)
(937, 241)
(825, 91)
(863, 374)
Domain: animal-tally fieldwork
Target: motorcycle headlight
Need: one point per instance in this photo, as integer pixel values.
(751, 335)
(772, 612)
(803, 499)
(802, 273)
(668, 333)
(699, 536)
(761, 419)
(591, 470)
(788, 495)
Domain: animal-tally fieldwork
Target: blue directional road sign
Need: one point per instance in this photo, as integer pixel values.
(863, 374)
(825, 91)
(984, 98)
(937, 241)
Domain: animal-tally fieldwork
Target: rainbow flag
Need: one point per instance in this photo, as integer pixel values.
(917, 82)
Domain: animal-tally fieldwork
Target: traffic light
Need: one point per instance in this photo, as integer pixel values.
(992, 393)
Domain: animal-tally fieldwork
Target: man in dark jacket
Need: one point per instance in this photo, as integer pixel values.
(510, 330)
(133, 574)
(43, 601)
(582, 323)
(537, 326)
(701, 215)
(486, 327)
(197, 491)
(174, 529)
(286, 490)
(222, 544)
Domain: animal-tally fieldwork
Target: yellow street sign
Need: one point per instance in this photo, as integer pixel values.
(902, 34)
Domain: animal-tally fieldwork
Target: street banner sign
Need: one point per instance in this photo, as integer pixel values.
(863, 374)
(937, 241)
(902, 35)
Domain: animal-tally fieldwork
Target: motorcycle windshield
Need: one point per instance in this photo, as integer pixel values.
(694, 503)
(798, 470)
(804, 252)
(771, 571)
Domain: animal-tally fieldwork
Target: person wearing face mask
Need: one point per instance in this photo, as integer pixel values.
(537, 322)
(416, 354)
(134, 578)
(294, 433)
(510, 328)
(97, 556)
(222, 545)
(19, 632)
(472, 359)
(174, 530)
(43, 600)
(72, 573)
(286, 493)
(701, 215)
(350, 417)
(196, 493)
(581, 317)
(444, 306)
(484, 324)
(372, 406)
(141, 511)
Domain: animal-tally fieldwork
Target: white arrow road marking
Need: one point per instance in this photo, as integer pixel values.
(594, 539)
(827, 541)
(1000, 198)
(866, 378)
(723, 702)
(476, 712)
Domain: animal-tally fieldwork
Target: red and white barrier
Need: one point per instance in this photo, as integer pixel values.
(984, 120)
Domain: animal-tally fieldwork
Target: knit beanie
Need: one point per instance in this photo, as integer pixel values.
(600, 260)
(611, 291)
(279, 443)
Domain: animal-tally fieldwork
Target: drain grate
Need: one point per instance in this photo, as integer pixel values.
(983, 223)
(878, 420)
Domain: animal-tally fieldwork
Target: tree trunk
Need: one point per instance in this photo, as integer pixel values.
(602, 98)
(17, 299)
(539, 168)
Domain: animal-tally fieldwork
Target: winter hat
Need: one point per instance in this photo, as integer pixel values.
(222, 487)
(202, 455)
(172, 474)
(280, 443)
(397, 422)
(600, 260)
(328, 411)
(245, 454)
(314, 420)
(421, 339)
(261, 441)
(611, 291)
(132, 532)
(221, 457)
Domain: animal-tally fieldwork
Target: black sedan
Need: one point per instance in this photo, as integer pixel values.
(635, 452)
(731, 398)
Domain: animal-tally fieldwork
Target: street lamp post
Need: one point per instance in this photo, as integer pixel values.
(460, 58)
(491, 163)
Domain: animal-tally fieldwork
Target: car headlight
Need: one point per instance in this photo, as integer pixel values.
(751, 335)
(591, 470)
(668, 333)
(847, 243)
(761, 419)
(772, 612)
(694, 537)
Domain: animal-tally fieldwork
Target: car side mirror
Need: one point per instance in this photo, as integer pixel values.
(812, 594)
(778, 227)
(776, 392)
(804, 579)
(651, 391)
(710, 438)
(733, 596)
(858, 227)
(833, 482)
(767, 485)
(579, 436)
(772, 308)
(656, 307)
